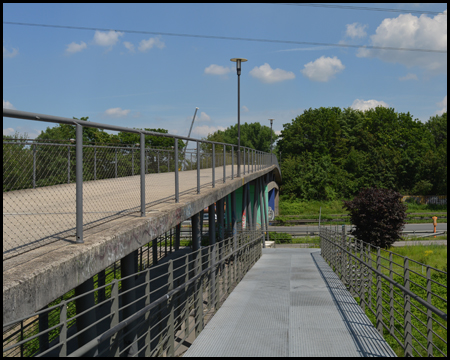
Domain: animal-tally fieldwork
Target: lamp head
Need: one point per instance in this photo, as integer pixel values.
(238, 64)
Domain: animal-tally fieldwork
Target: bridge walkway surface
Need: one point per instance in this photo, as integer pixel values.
(290, 303)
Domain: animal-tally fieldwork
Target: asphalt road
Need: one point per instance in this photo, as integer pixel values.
(408, 227)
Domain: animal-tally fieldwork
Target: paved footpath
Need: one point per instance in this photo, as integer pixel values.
(290, 304)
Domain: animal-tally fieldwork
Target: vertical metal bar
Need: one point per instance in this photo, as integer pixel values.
(79, 183)
(213, 165)
(148, 314)
(198, 167)
(34, 166)
(177, 237)
(266, 215)
(248, 161)
(68, 164)
(407, 311)
(177, 186)
(95, 163)
(155, 250)
(142, 153)
(132, 161)
(261, 189)
(232, 162)
(127, 267)
(168, 160)
(429, 316)
(379, 296)
(115, 162)
(224, 162)
(158, 160)
(43, 326)
(171, 329)
(199, 294)
(244, 161)
(63, 330)
(391, 297)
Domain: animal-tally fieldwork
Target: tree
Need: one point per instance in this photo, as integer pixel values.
(378, 215)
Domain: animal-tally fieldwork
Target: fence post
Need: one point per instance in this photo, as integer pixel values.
(199, 293)
(429, 315)
(95, 163)
(379, 296)
(63, 330)
(34, 166)
(115, 161)
(132, 160)
(177, 187)
(407, 311)
(244, 162)
(213, 165)
(142, 153)
(171, 329)
(232, 162)
(79, 183)
(224, 162)
(198, 167)
(391, 297)
(68, 164)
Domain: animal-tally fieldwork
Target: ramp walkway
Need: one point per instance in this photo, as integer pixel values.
(290, 303)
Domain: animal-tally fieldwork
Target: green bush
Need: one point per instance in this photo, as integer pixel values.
(280, 238)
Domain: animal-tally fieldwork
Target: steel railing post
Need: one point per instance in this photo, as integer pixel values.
(95, 163)
(232, 162)
(171, 329)
(115, 162)
(177, 186)
(379, 296)
(213, 165)
(198, 167)
(224, 162)
(132, 161)
(34, 166)
(158, 160)
(63, 329)
(407, 311)
(142, 154)
(79, 182)
(244, 162)
(429, 316)
(68, 164)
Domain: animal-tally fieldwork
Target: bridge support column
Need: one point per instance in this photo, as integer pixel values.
(265, 208)
(82, 304)
(128, 266)
(261, 211)
(243, 216)
(255, 204)
(249, 208)
(177, 237)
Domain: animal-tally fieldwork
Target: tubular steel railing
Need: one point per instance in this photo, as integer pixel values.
(54, 191)
(406, 300)
(172, 302)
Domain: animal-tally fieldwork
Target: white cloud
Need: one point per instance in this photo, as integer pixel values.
(8, 105)
(409, 31)
(408, 76)
(74, 47)
(214, 69)
(278, 132)
(244, 108)
(356, 30)
(205, 130)
(116, 112)
(8, 131)
(367, 104)
(9, 54)
(129, 45)
(323, 68)
(107, 38)
(146, 45)
(443, 105)
(203, 117)
(268, 75)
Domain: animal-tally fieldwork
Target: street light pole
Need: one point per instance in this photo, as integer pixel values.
(238, 69)
(271, 142)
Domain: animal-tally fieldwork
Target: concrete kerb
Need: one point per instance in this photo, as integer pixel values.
(34, 279)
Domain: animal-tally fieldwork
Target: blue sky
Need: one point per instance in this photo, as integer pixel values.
(156, 81)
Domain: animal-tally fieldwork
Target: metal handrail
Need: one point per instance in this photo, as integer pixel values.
(341, 251)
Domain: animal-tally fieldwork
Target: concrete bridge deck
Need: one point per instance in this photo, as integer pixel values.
(290, 303)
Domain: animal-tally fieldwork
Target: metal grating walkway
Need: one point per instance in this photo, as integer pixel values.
(290, 303)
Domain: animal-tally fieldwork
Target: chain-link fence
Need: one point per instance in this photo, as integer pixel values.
(55, 190)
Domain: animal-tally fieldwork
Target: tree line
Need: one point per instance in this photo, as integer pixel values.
(331, 153)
